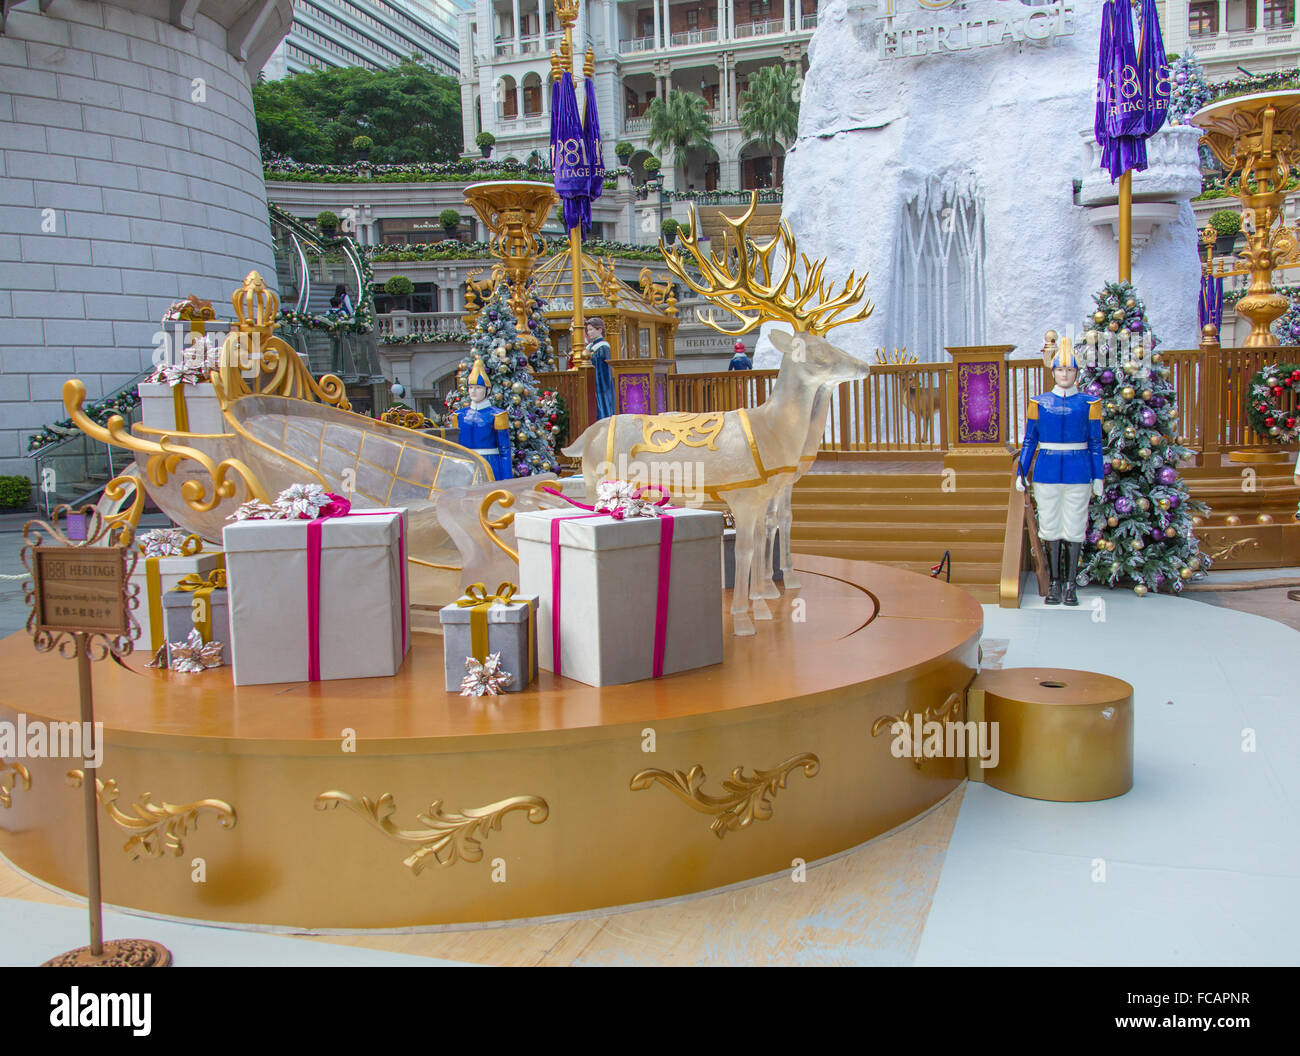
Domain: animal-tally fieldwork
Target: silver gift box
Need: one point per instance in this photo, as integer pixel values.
(510, 633)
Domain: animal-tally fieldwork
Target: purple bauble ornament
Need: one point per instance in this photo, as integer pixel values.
(1135, 325)
(492, 315)
(1107, 376)
(1167, 475)
(1148, 417)
(1157, 537)
(1093, 537)
(1123, 505)
(1173, 502)
(1158, 401)
(1159, 579)
(1111, 493)
(1093, 389)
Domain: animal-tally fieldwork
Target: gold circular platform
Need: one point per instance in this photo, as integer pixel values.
(389, 803)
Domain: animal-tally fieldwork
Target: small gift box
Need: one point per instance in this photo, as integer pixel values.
(167, 555)
(318, 598)
(480, 624)
(623, 599)
(201, 604)
(181, 408)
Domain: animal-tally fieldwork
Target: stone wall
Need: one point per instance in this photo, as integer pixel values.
(131, 177)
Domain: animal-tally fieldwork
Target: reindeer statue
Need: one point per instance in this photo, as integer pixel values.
(921, 400)
(747, 458)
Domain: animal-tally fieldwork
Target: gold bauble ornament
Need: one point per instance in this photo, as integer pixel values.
(1163, 503)
(1171, 533)
(1144, 505)
(1194, 564)
(1110, 545)
(1264, 518)
(1130, 303)
(1117, 315)
(1144, 452)
(1138, 544)
(1185, 573)
(1113, 327)
(1116, 463)
(1112, 521)
(1232, 518)
(1130, 368)
(1099, 317)
(1146, 394)
(1156, 357)
(1157, 440)
(1197, 520)
(1127, 392)
(1139, 590)
(1110, 408)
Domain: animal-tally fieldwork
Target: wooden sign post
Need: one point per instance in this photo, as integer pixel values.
(80, 605)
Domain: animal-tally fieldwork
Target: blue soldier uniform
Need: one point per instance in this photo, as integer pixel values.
(1063, 428)
(599, 351)
(485, 429)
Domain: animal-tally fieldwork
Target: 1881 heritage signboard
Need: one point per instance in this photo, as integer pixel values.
(81, 589)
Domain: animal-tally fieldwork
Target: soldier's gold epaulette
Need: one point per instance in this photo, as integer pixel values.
(1094, 409)
(1032, 412)
(501, 421)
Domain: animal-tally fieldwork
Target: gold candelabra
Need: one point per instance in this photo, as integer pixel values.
(1257, 139)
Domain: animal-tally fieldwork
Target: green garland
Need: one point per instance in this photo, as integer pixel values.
(100, 411)
(451, 249)
(437, 338)
(1267, 417)
(285, 169)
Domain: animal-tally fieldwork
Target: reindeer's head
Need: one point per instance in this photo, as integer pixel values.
(824, 361)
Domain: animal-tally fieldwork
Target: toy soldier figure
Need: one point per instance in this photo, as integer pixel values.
(1064, 427)
(485, 429)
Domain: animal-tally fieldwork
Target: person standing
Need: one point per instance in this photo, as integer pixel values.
(740, 358)
(599, 351)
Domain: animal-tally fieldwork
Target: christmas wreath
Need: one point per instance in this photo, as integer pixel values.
(1270, 411)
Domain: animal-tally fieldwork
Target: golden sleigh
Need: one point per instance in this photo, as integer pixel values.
(284, 427)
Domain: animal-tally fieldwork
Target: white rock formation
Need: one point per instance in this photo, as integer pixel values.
(978, 139)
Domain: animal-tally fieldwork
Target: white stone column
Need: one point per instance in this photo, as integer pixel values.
(515, 8)
(785, 14)
(1259, 14)
(656, 14)
(668, 25)
(1223, 17)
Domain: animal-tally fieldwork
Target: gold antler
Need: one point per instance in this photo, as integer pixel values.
(746, 286)
(898, 357)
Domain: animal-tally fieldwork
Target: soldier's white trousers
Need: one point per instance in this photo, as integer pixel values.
(1062, 510)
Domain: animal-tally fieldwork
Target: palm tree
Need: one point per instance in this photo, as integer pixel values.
(679, 123)
(769, 107)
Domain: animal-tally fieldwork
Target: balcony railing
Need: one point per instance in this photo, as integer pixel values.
(1245, 39)
(759, 29)
(636, 124)
(808, 22)
(693, 36)
(637, 44)
(505, 50)
(422, 323)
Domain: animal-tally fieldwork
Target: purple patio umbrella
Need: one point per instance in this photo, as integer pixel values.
(1209, 306)
(1120, 112)
(595, 150)
(569, 158)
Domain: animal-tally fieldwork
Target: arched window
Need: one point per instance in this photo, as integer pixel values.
(532, 95)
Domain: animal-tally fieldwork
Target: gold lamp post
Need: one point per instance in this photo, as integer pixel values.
(1257, 139)
(514, 212)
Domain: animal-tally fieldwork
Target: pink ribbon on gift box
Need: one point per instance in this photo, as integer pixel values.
(665, 574)
(341, 507)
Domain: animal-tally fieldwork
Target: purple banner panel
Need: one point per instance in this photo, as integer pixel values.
(634, 394)
(979, 403)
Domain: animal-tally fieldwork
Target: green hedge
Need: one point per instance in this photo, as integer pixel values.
(15, 493)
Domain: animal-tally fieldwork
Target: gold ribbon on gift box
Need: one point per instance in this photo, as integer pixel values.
(202, 590)
(478, 601)
(180, 410)
(153, 585)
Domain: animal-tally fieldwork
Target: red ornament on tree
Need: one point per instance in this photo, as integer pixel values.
(1277, 390)
(1270, 422)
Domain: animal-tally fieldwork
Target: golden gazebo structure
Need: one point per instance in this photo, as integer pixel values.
(640, 325)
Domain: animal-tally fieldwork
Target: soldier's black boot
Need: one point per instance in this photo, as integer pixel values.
(1073, 570)
(1054, 568)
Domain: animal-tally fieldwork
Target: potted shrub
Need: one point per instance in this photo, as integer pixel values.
(485, 141)
(15, 493)
(1228, 224)
(669, 230)
(400, 288)
(623, 151)
(362, 145)
(450, 220)
(327, 222)
(651, 168)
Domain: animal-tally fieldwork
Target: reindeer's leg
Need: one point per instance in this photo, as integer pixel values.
(766, 585)
(761, 560)
(784, 517)
(747, 508)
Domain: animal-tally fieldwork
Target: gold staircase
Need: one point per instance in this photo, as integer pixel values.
(905, 516)
(1262, 496)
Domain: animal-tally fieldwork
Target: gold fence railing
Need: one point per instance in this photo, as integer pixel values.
(902, 410)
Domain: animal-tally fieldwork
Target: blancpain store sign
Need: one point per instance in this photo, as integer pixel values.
(941, 26)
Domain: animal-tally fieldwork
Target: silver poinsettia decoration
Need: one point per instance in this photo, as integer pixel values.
(296, 502)
(621, 500)
(163, 542)
(484, 678)
(194, 654)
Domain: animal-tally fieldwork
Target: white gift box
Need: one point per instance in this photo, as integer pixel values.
(171, 570)
(609, 579)
(203, 410)
(363, 629)
(511, 631)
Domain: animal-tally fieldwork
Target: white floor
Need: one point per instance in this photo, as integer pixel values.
(1202, 857)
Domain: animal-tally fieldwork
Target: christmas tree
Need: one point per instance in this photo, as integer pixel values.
(1140, 529)
(1287, 328)
(1188, 88)
(496, 341)
(543, 357)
